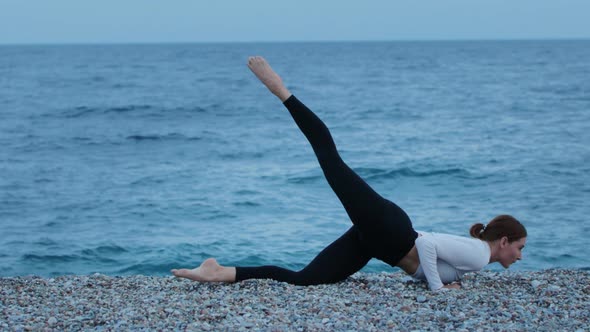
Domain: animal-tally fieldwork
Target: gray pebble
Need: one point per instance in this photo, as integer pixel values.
(366, 302)
(52, 321)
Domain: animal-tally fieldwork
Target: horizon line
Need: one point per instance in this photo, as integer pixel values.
(98, 43)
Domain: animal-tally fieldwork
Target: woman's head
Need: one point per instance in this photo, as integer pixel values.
(506, 235)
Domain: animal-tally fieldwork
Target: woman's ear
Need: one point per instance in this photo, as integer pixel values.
(504, 242)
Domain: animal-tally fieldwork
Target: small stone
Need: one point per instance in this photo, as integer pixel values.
(52, 321)
(535, 283)
(421, 298)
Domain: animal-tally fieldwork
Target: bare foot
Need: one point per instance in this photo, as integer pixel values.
(209, 271)
(268, 77)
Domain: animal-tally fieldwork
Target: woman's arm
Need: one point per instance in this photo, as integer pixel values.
(427, 253)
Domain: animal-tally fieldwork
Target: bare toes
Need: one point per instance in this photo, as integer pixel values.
(180, 273)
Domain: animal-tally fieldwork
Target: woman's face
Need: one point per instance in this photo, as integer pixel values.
(510, 252)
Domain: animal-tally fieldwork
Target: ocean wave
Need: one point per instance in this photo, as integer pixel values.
(238, 155)
(101, 254)
(92, 141)
(51, 224)
(305, 179)
(83, 111)
(218, 215)
(104, 249)
(98, 254)
(131, 109)
(147, 180)
(36, 146)
(560, 90)
(379, 174)
(124, 85)
(165, 137)
(384, 174)
(246, 204)
(137, 138)
(49, 259)
(45, 241)
(246, 192)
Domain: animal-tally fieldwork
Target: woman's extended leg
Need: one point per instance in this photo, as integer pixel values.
(340, 259)
(336, 262)
(380, 221)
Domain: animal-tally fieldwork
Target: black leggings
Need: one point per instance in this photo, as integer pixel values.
(380, 228)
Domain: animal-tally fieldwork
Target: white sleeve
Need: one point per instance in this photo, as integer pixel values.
(462, 254)
(427, 254)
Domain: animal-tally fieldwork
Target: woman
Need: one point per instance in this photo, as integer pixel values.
(381, 229)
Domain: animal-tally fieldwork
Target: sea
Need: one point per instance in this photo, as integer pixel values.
(130, 159)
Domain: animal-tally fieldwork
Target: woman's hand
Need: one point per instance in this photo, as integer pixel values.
(454, 285)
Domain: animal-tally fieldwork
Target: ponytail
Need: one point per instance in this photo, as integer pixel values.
(476, 230)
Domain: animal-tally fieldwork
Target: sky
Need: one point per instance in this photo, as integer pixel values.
(151, 21)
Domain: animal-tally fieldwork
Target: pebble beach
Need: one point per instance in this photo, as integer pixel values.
(549, 300)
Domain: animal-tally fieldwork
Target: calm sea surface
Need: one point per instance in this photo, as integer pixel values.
(135, 159)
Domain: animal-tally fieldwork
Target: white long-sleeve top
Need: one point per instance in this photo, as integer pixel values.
(445, 258)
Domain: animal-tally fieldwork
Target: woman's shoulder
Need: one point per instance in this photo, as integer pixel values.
(451, 238)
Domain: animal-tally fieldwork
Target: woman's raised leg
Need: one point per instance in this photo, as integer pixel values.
(386, 229)
(366, 208)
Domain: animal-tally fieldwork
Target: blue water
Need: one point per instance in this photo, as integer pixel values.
(135, 159)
